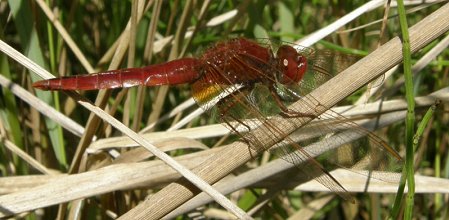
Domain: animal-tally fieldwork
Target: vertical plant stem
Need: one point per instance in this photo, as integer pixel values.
(59, 150)
(410, 119)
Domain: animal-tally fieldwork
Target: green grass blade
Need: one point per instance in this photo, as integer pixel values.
(30, 40)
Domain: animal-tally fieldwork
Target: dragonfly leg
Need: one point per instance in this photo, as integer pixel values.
(242, 137)
(226, 105)
(285, 112)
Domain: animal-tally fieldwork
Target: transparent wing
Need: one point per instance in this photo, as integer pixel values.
(246, 109)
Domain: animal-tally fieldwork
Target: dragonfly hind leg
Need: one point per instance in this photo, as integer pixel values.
(224, 105)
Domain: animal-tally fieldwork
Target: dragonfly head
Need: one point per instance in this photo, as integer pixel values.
(292, 64)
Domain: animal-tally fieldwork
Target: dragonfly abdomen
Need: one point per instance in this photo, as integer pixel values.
(171, 73)
(179, 71)
(82, 82)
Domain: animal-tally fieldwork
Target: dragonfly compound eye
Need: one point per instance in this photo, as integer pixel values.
(293, 65)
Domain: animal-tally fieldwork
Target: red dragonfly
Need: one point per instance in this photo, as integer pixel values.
(240, 80)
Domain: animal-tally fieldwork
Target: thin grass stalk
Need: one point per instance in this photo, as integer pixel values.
(8, 104)
(130, 105)
(60, 149)
(30, 41)
(410, 119)
(174, 53)
(424, 122)
(422, 125)
(101, 100)
(64, 34)
(139, 94)
(420, 130)
(438, 200)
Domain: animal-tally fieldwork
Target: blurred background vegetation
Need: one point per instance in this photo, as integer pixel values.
(171, 29)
